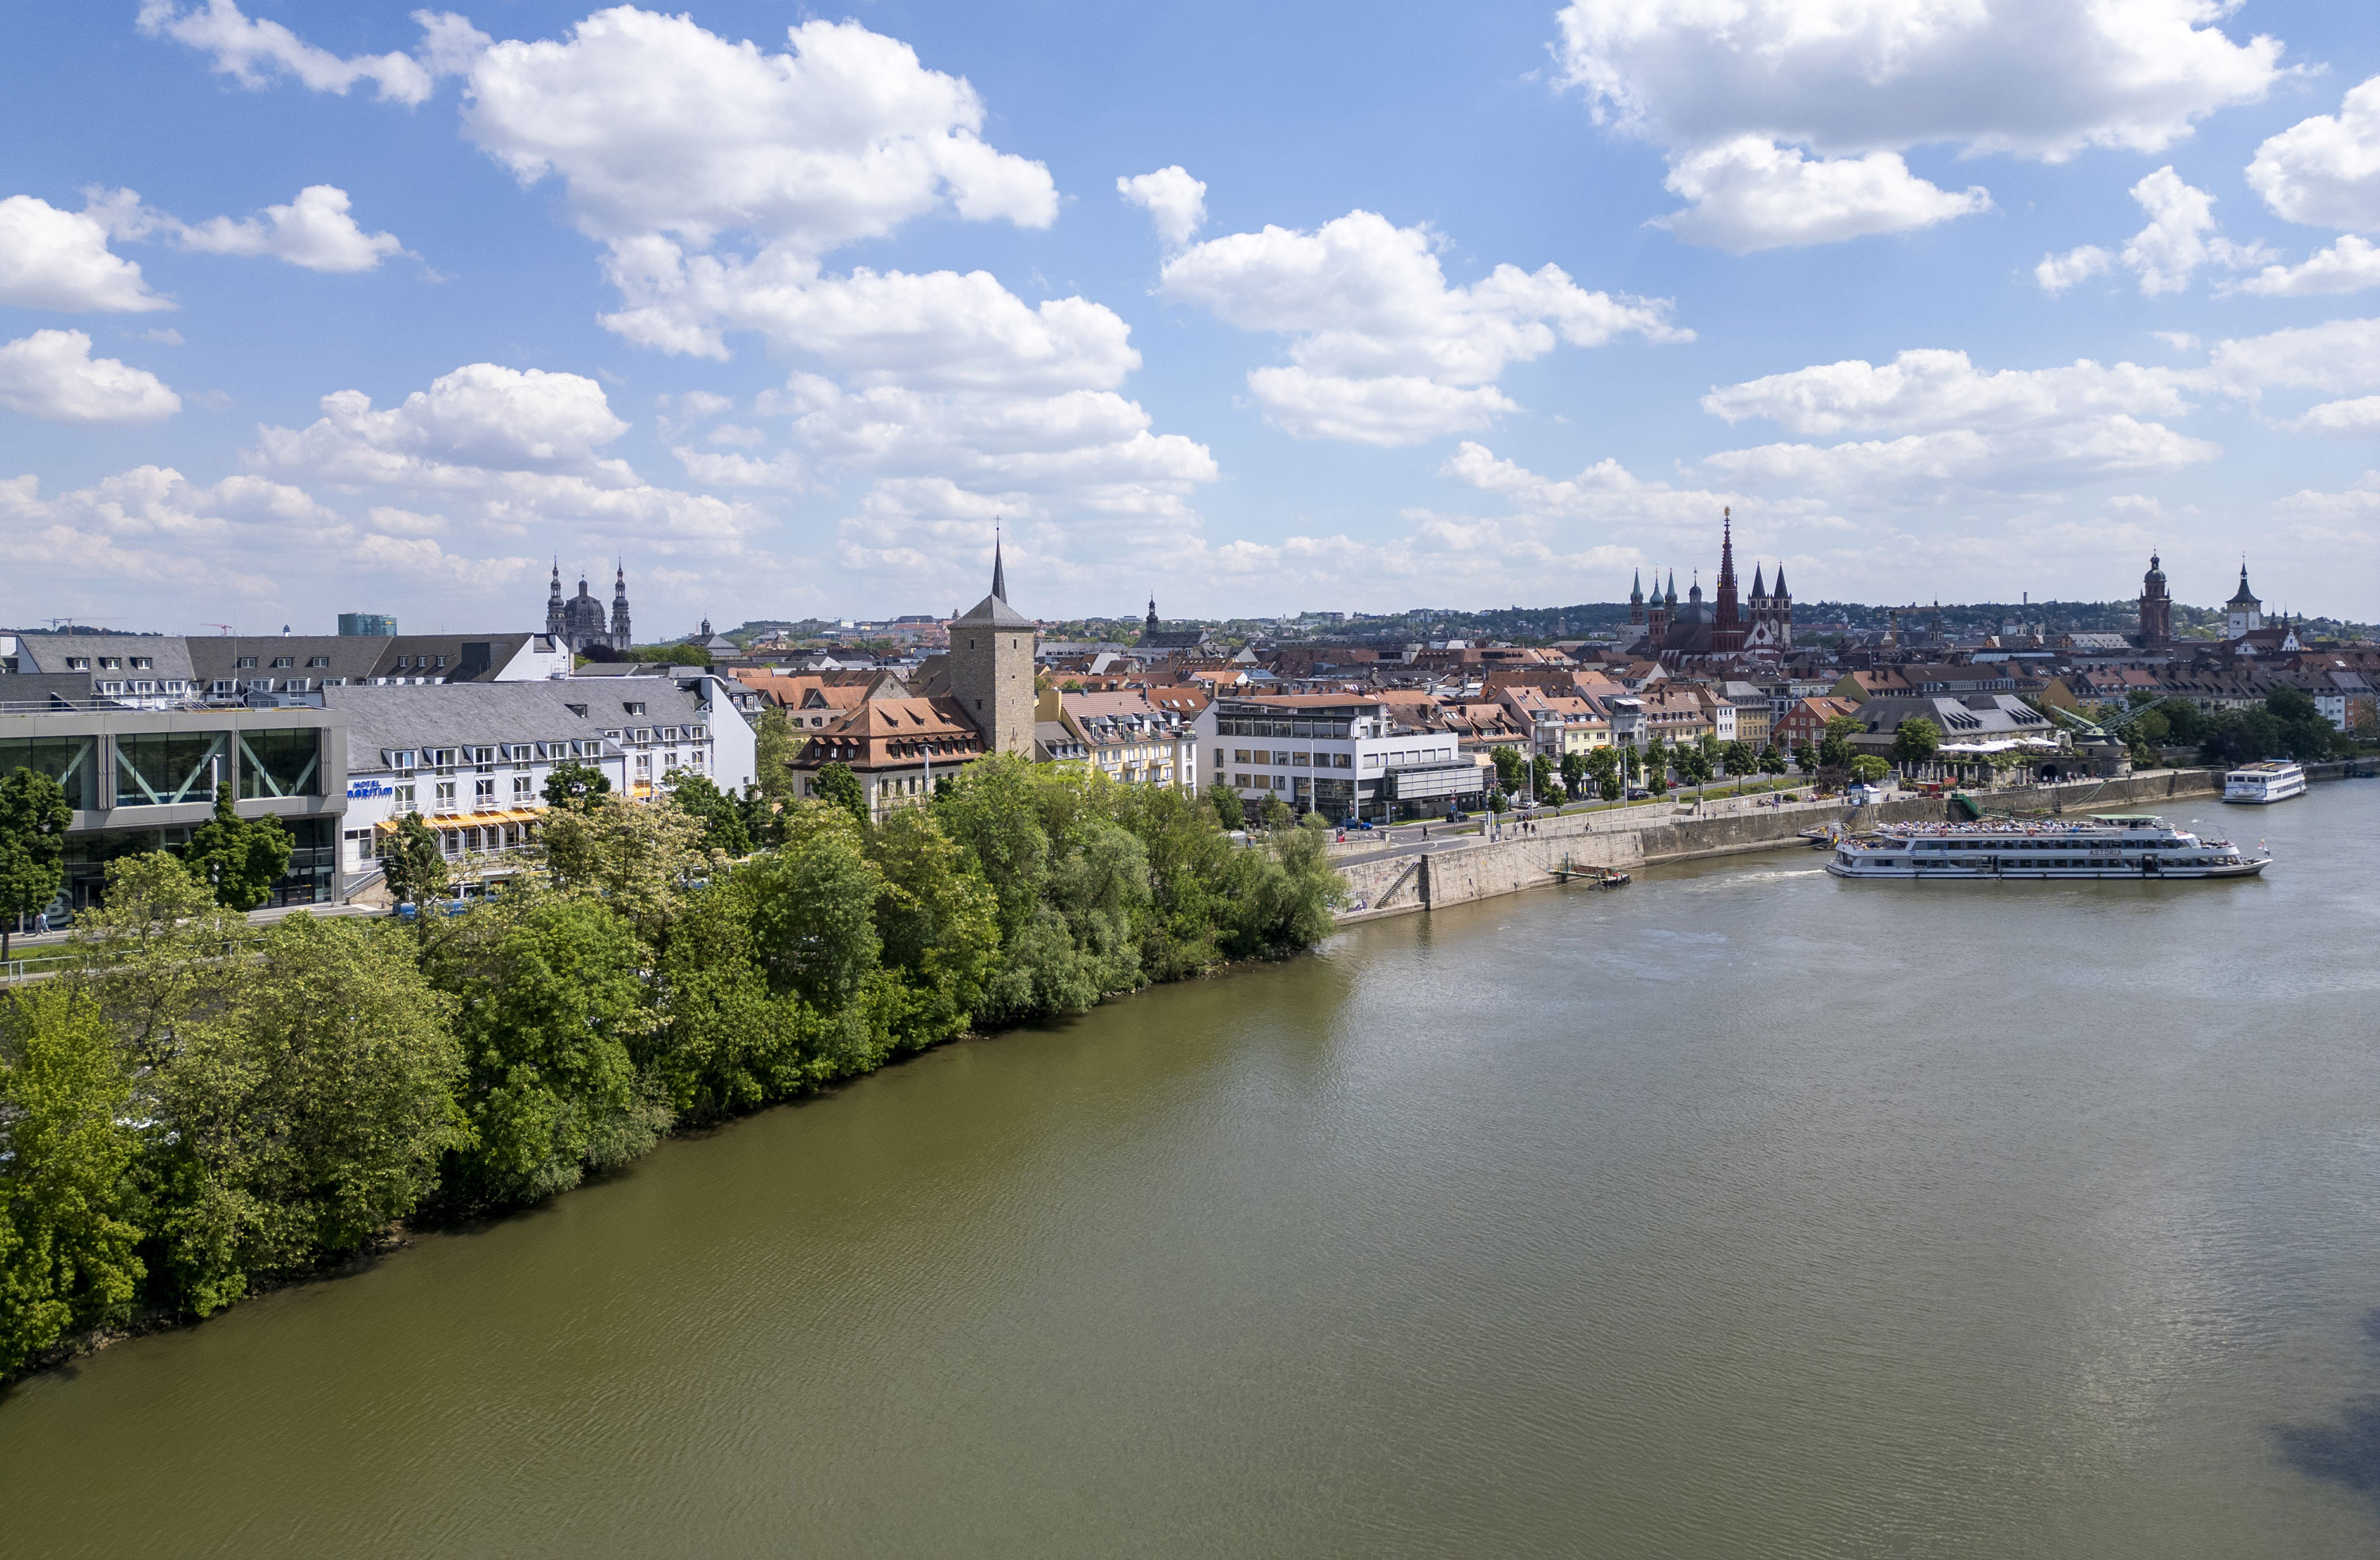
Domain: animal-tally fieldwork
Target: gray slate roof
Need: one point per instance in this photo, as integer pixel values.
(472, 714)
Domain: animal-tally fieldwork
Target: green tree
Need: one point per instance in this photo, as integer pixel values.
(1228, 809)
(2306, 734)
(637, 858)
(1915, 741)
(1657, 758)
(157, 953)
(68, 1252)
(1545, 778)
(837, 785)
(938, 924)
(1868, 769)
(1805, 757)
(778, 746)
(1509, 766)
(1834, 750)
(548, 1001)
(1631, 762)
(814, 908)
(33, 821)
(1694, 763)
(1276, 813)
(239, 859)
(1741, 759)
(1574, 772)
(307, 1115)
(573, 786)
(722, 815)
(672, 655)
(1772, 762)
(1603, 764)
(411, 862)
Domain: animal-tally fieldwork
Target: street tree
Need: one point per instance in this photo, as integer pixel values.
(33, 820)
(1509, 765)
(1229, 810)
(411, 862)
(1915, 741)
(1574, 772)
(576, 785)
(238, 859)
(837, 785)
(1772, 762)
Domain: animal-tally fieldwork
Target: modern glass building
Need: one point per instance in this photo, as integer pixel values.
(367, 625)
(141, 779)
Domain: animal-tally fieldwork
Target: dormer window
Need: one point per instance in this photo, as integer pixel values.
(633, 708)
(578, 709)
(318, 661)
(280, 661)
(244, 663)
(77, 663)
(142, 663)
(111, 663)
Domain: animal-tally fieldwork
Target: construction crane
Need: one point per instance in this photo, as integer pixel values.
(224, 626)
(2106, 725)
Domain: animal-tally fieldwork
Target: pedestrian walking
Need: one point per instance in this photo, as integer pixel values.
(41, 921)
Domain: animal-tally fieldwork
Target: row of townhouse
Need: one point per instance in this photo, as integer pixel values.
(1134, 735)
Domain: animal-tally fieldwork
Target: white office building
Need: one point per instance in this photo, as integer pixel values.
(1340, 755)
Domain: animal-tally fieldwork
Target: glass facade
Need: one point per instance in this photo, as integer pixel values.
(73, 762)
(156, 768)
(313, 858)
(280, 763)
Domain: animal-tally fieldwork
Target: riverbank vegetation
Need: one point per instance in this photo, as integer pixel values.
(199, 1106)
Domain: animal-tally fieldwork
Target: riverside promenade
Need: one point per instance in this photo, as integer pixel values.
(1412, 874)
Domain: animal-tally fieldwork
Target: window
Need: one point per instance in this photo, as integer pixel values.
(441, 660)
(111, 663)
(1280, 759)
(633, 708)
(645, 766)
(318, 661)
(446, 796)
(77, 663)
(153, 769)
(578, 709)
(483, 795)
(142, 663)
(404, 801)
(244, 663)
(523, 788)
(280, 661)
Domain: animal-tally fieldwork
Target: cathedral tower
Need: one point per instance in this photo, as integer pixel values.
(1727, 624)
(621, 640)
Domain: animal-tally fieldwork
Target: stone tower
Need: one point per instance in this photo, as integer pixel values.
(1635, 599)
(2246, 614)
(553, 622)
(2156, 605)
(991, 667)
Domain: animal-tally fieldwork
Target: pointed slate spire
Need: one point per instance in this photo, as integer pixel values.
(999, 570)
(1636, 587)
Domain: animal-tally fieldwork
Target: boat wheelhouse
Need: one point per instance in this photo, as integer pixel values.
(2130, 845)
(2274, 779)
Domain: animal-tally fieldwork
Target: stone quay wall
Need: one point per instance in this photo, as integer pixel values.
(1630, 838)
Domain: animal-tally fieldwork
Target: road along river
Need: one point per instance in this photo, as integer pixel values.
(1743, 1212)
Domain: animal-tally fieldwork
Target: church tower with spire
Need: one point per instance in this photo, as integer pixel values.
(991, 666)
(1727, 624)
(1635, 599)
(621, 639)
(554, 624)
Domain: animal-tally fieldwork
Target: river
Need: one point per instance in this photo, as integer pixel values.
(1742, 1212)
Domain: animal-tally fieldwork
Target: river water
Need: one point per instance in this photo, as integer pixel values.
(1740, 1213)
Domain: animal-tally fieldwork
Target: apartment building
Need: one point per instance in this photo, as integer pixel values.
(1126, 736)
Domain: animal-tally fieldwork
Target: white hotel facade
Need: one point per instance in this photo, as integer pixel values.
(472, 759)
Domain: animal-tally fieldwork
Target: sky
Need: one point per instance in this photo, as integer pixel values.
(1254, 309)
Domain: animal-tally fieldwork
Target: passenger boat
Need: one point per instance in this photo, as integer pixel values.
(2275, 779)
(2106, 845)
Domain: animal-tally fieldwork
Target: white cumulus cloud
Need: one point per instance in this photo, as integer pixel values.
(1749, 193)
(2338, 356)
(2324, 170)
(1951, 426)
(1175, 202)
(656, 124)
(1383, 350)
(253, 51)
(2359, 418)
(315, 231)
(51, 259)
(511, 448)
(1729, 88)
(2182, 237)
(52, 375)
(2348, 266)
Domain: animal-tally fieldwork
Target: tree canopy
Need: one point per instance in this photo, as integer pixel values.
(34, 817)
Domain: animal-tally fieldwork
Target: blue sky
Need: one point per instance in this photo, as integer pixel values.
(310, 308)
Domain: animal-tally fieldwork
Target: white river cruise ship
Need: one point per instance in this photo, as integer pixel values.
(2275, 779)
(2106, 845)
